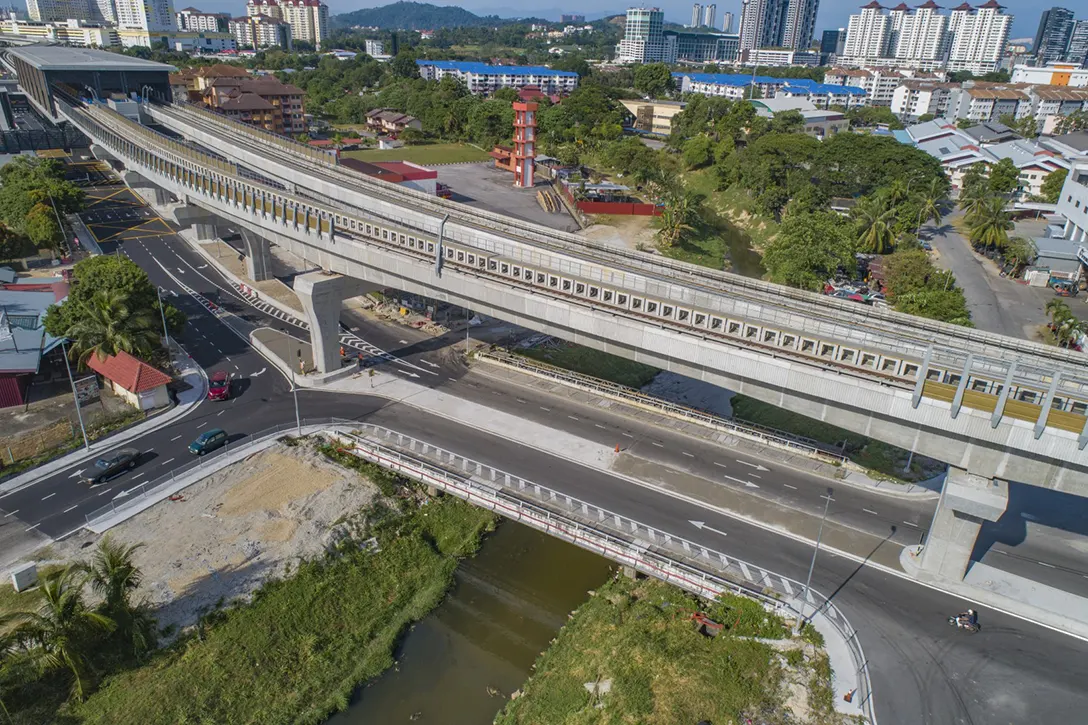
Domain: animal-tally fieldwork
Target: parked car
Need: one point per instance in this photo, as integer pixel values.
(927, 246)
(208, 441)
(219, 386)
(111, 464)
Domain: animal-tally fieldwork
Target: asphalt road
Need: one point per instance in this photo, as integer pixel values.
(923, 670)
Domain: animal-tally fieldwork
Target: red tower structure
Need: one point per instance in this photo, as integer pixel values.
(524, 143)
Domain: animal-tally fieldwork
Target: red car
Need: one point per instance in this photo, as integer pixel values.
(219, 386)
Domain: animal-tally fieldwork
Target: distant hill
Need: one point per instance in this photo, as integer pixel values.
(415, 16)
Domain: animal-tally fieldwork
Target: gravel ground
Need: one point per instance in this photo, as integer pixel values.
(235, 529)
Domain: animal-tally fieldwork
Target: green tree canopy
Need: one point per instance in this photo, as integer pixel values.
(1052, 185)
(26, 183)
(916, 287)
(698, 151)
(654, 80)
(1004, 177)
(809, 249)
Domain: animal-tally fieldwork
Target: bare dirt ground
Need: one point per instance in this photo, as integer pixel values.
(235, 529)
(631, 232)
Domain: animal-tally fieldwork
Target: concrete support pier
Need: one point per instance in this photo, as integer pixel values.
(258, 257)
(966, 502)
(321, 296)
(205, 230)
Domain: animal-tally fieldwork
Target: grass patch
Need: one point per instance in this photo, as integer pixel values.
(587, 361)
(299, 649)
(435, 153)
(734, 207)
(636, 637)
(103, 426)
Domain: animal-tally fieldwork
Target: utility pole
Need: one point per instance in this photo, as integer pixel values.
(162, 313)
(812, 565)
(294, 387)
(75, 395)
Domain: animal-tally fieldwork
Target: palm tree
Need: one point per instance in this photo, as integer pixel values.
(1018, 253)
(108, 326)
(930, 205)
(876, 222)
(676, 219)
(990, 225)
(896, 192)
(973, 199)
(59, 633)
(114, 576)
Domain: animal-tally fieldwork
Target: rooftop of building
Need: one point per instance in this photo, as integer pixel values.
(991, 132)
(770, 106)
(465, 66)
(743, 80)
(130, 373)
(60, 58)
(245, 102)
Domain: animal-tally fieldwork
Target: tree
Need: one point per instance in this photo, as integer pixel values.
(788, 122)
(114, 576)
(404, 65)
(875, 219)
(59, 635)
(677, 218)
(42, 228)
(1018, 252)
(26, 183)
(11, 245)
(109, 324)
(809, 249)
(1004, 177)
(965, 123)
(1075, 121)
(653, 80)
(926, 117)
(1066, 327)
(916, 287)
(974, 180)
(1025, 126)
(989, 227)
(930, 203)
(1052, 185)
(698, 151)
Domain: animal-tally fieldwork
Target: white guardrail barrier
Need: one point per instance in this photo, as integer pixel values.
(622, 393)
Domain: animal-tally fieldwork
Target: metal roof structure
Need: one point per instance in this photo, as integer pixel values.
(60, 58)
(493, 70)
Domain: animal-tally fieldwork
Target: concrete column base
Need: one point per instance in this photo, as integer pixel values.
(321, 296)
(630, 572)
(205, 231)
(258, 257)
(966, 502)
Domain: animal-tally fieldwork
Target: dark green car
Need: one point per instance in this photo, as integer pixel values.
(112, 464)
(208, 441)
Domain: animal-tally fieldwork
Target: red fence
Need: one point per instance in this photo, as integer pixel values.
(621, 208)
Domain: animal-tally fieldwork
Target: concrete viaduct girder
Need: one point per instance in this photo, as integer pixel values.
(1008, 449)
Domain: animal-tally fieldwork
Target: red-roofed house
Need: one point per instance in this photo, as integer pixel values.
(141, 385)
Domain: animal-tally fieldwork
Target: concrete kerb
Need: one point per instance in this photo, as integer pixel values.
(188, 401)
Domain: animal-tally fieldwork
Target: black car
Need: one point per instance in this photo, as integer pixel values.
(111, 464)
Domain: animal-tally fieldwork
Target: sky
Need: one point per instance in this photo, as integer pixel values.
(832, 14)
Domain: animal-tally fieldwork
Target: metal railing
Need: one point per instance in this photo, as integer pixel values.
(773, 436)
(679, 561)
(210, 462)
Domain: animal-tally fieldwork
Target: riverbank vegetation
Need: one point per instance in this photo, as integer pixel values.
(294, 654)
(632, 653)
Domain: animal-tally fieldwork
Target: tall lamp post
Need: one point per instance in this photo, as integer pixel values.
(75, 395)
(162, 313)
(294, 388)
(812, 565)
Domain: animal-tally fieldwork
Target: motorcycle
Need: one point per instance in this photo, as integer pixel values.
(964, 624)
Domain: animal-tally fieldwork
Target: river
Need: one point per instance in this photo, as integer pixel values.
(460, 664)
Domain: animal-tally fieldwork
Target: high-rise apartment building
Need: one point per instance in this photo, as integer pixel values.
(643, 38)
(922, 35)
(260, 31)
(156, 16)
(778, 24)
(696, 15)
(309, 19)
(979, 36)
(710, 15)
(195, 21)
(1052, 36)
(832, 43)
(867, 33)
(48, 11)
(1077, 51)
(727, 23)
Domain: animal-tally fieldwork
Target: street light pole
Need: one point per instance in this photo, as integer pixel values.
(294, 387)
(162, 313)
(812, 565)
(75, 395)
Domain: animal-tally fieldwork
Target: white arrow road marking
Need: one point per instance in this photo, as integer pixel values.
(181, 271)
(259, 372)
(701, 525)
(202, 266)
(76, 473)
(121, 495)
(428, 362)
(753, 465)
(749, 484)
(405, 372)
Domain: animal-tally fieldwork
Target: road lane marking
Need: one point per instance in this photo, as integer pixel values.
(202, 425)
(174, 438)
(31, 528)
(403, 342)
(870, 511)
(600, 426)
(756, 466)
(220, 413)
(659, 445)
(572, 417)
(520, 400)
(135, 477)
(541, 407)
(908, 523)
(49, 496)
(825, 496)
(165, 462)
(12, 513)
(789, 486)
(628, 435)
(70, 508)
(689, 455)
(720, 464)
(1049, 566)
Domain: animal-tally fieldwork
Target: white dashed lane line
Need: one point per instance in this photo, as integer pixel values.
(870, 511)
(49, 496)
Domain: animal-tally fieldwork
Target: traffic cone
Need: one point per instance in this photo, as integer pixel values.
(617, 448)
(849, 697)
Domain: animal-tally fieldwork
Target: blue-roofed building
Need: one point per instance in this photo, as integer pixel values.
(23, 339)
(484, 78)
(738, 85)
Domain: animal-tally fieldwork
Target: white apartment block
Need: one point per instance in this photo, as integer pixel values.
(923, 35)
(913, 98)
(644, 39)
(1073, 203)
(979, 36)
(879, 84)
(68, 32)
(154, 16)
(204, 43)
(1055, 74)
(260, 31)
(867, 33)
(484, 78)
(780, 57)
(194, 21)
(374, 48)
(309, 19)
(49, 11)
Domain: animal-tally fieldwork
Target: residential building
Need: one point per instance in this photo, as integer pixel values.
(653, 116)
(778, 24)
(981, 102)
(1073, 202)
(51, 11)
(386, 120)
(918, 97)
(643, 38)
(878, 83)
(195, 21)
(777, 57)
(68, 32)
(157, 17)
(1055, 74)
(26, 349)
(979, 36)
(309, 19)
(134, 381)
(922, 37)
(1077, 50)
(832, 43)
(695, 47)
(820, 123)
(739, 86)
(262, 101)
(203, 43)
(988, 133)
(958, 151)
(374, 48)
(565, 18)
(260, 31)
(484, 78)
(696, 16)
(867, 34)
(727, 23)
(1052, 37)
(710, 15)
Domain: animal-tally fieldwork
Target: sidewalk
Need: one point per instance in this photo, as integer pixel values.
(188, 399)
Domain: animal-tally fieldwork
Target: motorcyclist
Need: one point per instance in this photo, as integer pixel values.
(968, 619)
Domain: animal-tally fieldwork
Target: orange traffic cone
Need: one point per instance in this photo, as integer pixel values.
(849, 697)
(617, 448)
